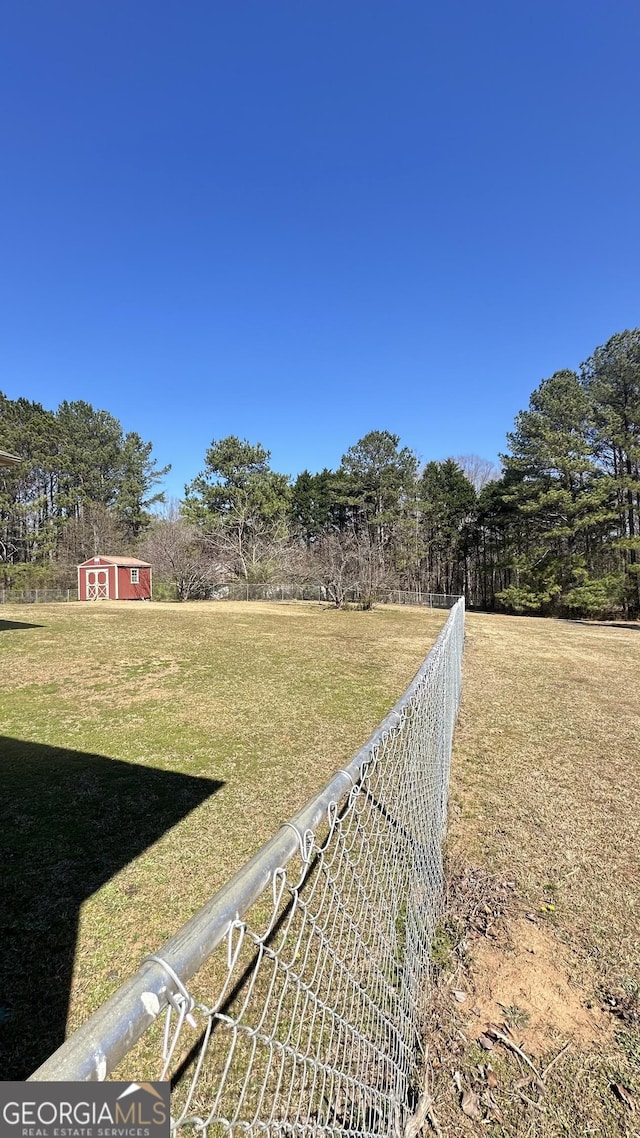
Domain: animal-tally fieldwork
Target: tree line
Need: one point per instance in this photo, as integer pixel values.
(555, 531)
(83, 486)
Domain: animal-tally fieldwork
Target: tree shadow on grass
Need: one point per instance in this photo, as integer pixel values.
(7, 625)
(630, 626)
(69, 821)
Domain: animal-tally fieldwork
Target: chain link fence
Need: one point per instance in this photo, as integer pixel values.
(270, 591)
(294, 1002)
(243, 591)
(35, 596)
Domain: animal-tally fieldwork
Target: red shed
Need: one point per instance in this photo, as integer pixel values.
(115, 579)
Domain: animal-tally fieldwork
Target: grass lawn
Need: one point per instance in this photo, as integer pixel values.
(543, 925)
(147, 752)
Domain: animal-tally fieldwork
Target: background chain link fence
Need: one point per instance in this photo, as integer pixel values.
(36, 596)
(273, 591)
(243, 591)
(295, 1000)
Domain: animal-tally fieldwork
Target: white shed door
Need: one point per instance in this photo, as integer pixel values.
(97, 584)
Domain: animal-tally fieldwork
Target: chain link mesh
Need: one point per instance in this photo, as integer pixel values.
(318, 1023)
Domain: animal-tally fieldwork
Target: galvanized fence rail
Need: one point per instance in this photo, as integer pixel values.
(294, 1001)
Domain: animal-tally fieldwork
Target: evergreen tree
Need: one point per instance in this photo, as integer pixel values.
(555, 485)
(29, 492)
(378, 477)
(137, 479)
(319, 501)
(611, 379)
(80, 480)
(90, 457)
(447, 504)
(242, 505)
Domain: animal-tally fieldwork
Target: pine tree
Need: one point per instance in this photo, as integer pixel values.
(447, 504)
(242, 505)
(136, 492)
(554, 483)
(611, 379)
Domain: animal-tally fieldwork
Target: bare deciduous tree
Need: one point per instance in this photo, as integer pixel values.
(347, 565)
(479, 471)
(333, 564)
(177, 552)
(96, 531)
(248, 546)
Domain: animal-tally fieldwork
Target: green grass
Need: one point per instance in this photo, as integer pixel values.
(147, 752)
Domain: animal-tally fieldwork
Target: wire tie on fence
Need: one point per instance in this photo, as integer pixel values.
(186, 1003)
(279, 882)
(299, 836)
(366, 767)
(332, 816)
(356, 784)
(233, 953)
(395, 720)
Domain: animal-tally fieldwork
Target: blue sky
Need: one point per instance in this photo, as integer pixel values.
(300, 220)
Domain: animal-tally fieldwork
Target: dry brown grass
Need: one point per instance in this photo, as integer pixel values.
(545, 803)
(114, 717)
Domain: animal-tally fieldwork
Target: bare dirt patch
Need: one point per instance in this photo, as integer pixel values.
(525, 982)
(513, 1043)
